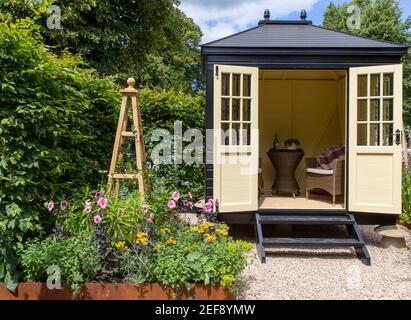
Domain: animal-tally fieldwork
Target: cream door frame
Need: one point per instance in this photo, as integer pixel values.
(235, 166)
(375, 171)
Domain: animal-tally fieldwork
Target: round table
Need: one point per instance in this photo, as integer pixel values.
(285, 162)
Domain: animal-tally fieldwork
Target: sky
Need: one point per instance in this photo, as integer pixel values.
(220, 18)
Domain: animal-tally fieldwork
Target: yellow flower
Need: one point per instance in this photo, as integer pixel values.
(171, 241)
(194, 228)
(164, 230)
(207, 224)
(157, 246)
(120, 245)
(142, 238)
(209, 237)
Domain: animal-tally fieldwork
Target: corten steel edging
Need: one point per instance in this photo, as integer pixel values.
(112, 291)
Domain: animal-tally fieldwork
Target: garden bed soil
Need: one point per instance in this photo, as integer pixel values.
(111, 291)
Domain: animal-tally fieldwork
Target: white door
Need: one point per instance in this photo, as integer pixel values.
(375, 115)
(235, 147)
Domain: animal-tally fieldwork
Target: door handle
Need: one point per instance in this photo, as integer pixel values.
(398, 137)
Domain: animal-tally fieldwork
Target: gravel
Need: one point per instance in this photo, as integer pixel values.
(328, 273)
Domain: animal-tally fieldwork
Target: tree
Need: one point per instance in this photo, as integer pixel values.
(382, 20)
(152, 40)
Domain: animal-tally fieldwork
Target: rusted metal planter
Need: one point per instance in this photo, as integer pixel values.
(112, 291)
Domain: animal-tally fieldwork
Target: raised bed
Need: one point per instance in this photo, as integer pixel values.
(111, 291)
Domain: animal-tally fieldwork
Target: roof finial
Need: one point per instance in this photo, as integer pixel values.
(267, 14)
(303, 15)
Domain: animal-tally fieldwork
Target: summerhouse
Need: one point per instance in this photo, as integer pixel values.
(307, 129)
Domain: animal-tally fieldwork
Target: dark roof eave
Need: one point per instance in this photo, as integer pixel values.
(392, 51)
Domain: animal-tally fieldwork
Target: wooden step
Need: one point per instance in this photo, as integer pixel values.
(338, 219)
(311, 243)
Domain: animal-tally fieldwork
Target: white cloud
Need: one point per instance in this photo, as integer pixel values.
(220, 18)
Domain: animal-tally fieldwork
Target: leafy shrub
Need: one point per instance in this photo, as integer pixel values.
(57, 122)
(160, 109)
(406, 197)
(200, 254)
(77, 257)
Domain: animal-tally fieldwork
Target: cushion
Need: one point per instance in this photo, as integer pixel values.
(327, 159)
(324, 172)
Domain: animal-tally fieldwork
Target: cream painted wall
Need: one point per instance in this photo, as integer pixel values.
(312, 111)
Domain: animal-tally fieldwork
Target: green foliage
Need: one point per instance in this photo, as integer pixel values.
(199, 255)
(382, 20)
(406, 197)
(77, 258)
(57, 123)
(152, 40)
(160, 109)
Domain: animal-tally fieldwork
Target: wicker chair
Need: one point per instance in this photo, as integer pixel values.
(331, 181)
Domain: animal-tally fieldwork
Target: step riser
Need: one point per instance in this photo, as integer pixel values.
(310, 245)
(306, 223)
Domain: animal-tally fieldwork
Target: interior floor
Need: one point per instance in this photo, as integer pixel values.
(314, 201)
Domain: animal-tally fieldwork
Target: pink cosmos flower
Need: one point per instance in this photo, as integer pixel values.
(176, 196)
(151, 218)
(97, 219)
(50, 206)
(190, 205)
(98, 194)
(88, 203)
(145, 208)
(185, 203)
(171, 204)
(87, 209)
(102, 202)
(208, 207)
(63, 204)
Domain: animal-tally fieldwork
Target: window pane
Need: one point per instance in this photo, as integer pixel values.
(374, 110)
(388, 84)
(236, 110)
(235, 138)
(375, 85)
(361, 134)
(387, 134)
(362, 110)
(246, 134)
(225, 109)
(246, 85)
(388, 111)
(236, 85)
(246, 110)
(225, 84)
(362, 86)
(374, 134)
(225, 135)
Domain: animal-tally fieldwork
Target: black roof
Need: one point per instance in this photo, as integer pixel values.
(297, 34)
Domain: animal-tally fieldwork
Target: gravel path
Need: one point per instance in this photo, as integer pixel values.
(329, 274)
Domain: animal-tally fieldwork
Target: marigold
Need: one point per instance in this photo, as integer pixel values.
(142, 238)
(164, 230)
(121, 245)
(209, 237)
(194, 228)
(171, 241)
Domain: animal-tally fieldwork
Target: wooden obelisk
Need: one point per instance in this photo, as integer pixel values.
(130, 94)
